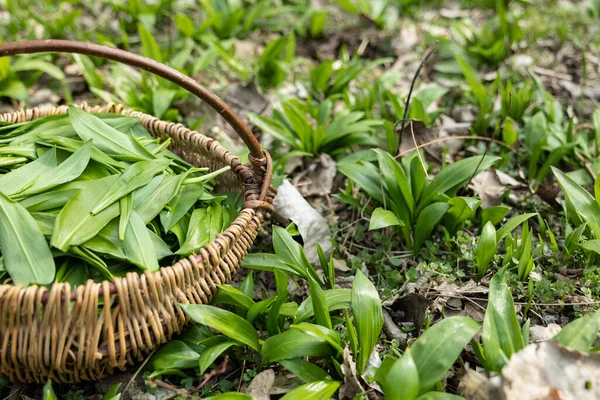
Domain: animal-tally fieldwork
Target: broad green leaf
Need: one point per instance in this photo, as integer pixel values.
(49, 200)
(161, 101)
(22, 178)
(139, 246)
(107, 242)
(224, 321)
(511, 225)
(125, 211)
(210, 354)
(383, 218)
(174, 354)
(366, 177)
(321, 332)
(427, 221)
(493, 214)
(462, 209)
(48, 392)
(581, 333)
(292, 253)
(437, 348)
(305, 370)
(336, 299)
(294, 343)
(136, 176)
(26, 256)
(227, 294)
(75, 224)
(319, 304)
(368, 317)
(107, 138)
(150, 48)
(205, 224)
(399, 378)
(151, 199)
(67, 171)
(501, 334)
(477, 87)
(180, 205)
(319, 390)
(453, 177)
(486, 248)
(259, 308)
(271, 262)
(113, 392)
(582, 201)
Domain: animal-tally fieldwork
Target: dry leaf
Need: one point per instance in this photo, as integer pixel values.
(290, 205)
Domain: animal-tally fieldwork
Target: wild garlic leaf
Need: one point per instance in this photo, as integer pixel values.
(26, 255)
(136, 176)
(180, 205)
(107, 138)
(75, 224)
(21, 178)
(65, 172)
(138, 245)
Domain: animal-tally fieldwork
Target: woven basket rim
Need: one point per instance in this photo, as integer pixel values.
(251, 204)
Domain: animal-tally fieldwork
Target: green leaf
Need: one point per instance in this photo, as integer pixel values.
(336, 299)
(210, 354)
(22, 178)
(180, 205)
(477, 87)
(305, 370)
(366, 177)
(151, 199)
(292, 253)
(368, 317)
(486, 248)
(501, 334)
(511, 225)
(67, 171)
(382, 218)
(113, 392)
(462, 209)
(453, 177)
(259, 308)
(437, 348)
(139, 246)
(321, 332)
(294, 343)
(227, 294)
(319, 304)
(271, 262)
(150, 48)
(582, 201)
(493, 214)
(319, 390)
(174, 354)
(125, 210)
(161, 101)
(75, 224)
(223, 321)
(399, 378)
(26, 256)
(48, 392)
(427, 221)
(581, 333)
(136, 176)
(107, 138)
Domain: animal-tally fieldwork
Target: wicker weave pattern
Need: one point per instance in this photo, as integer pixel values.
(83, 333)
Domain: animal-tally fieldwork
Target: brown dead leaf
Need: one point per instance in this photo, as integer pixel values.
(548, 371)
(260, 387)
(352, 385)
(317, 178)
(538, 333)
(490, 185)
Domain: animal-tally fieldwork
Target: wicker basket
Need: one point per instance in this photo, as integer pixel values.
(83, 333)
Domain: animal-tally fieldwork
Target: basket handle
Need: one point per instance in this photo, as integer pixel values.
(70, 46)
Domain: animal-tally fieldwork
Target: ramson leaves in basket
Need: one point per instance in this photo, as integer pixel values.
(107, 138)
(99, 197)
(26, 255)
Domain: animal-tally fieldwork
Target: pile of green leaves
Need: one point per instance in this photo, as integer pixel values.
(82, 191)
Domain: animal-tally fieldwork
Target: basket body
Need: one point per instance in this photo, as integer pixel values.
(83, 333)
